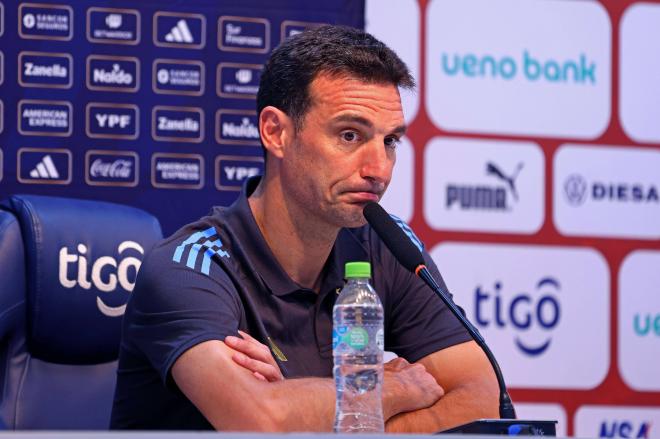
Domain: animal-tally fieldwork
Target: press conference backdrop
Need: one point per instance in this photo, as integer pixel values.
(531, 169)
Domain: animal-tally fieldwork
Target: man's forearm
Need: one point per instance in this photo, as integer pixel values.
(463, 404)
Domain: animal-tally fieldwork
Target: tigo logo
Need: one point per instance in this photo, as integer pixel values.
(206, 241)
(639, 320)
(122, 272)
(185, 31)
(44, 166)
(533, 319)
(484, 185)
(607, 191)
(546, 84)
(616, 422)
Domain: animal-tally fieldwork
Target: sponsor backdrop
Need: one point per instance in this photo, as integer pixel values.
(142, 102)
(531, 167)
(531, 171)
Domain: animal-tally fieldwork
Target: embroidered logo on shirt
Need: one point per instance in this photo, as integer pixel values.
(200, 241)
(409, 233)
(276, 350)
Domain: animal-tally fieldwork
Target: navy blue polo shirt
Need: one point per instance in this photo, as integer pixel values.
(218, 275)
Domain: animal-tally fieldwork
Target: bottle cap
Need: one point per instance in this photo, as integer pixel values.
(358, 270)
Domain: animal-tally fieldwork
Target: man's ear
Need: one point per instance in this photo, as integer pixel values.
(276, 130)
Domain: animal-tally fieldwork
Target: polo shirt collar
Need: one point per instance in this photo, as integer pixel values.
(244, 225)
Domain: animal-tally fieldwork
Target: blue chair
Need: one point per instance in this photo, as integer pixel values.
(67, 267)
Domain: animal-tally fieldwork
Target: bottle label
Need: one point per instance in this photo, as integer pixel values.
(355, 338)
(380, 340)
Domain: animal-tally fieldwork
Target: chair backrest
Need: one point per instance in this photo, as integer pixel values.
(67, 268)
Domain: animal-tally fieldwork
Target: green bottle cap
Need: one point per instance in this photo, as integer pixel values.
(358, 269)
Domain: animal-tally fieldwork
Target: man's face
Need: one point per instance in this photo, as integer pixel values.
(343, 156)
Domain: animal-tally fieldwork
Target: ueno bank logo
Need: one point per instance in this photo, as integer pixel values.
(542, 85)
(533, 318)
(522, 311)
(121, 272)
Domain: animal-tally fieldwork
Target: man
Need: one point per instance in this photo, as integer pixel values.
(270, 265)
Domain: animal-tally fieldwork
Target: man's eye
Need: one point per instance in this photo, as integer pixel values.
(349, 136)
(392, 142)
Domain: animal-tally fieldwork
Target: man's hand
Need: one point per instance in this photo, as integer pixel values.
(408, 387)
(254, 356)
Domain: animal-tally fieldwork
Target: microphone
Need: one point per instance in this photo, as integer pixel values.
(411, 258)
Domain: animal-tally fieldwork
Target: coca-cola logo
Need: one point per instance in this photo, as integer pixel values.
(119, 168)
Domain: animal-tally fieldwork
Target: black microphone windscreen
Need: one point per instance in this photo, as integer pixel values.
(394, 238)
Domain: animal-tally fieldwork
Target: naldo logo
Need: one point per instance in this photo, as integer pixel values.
(528, 302)
(533, 68)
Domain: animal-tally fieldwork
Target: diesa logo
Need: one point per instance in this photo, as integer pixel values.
(523, 311)
(528, 302)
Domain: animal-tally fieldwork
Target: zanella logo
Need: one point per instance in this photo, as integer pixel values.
(107, 273)
(207, 242)
(179, 124)
(112, 73)
(47, 70)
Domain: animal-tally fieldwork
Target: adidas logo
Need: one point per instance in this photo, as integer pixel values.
(45, 169)
(200, 242)
(180, 33)
(408, 232)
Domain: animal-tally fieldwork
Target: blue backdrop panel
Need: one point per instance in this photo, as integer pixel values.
(145, 103)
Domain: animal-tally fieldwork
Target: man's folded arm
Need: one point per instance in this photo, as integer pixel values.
(471, 391)
(230, 397)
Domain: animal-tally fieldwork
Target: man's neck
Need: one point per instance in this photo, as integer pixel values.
(300, 244)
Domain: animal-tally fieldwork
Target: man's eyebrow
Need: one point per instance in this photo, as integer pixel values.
(401, 129)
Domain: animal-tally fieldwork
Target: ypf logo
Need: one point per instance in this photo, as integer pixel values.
(522, 311)
(106, 272)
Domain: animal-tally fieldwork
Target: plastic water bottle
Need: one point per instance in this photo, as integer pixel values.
(357, 347)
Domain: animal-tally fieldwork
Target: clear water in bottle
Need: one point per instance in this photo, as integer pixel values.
(358, 354)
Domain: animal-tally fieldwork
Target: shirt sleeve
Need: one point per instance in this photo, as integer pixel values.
(174, 308)
(417, 322)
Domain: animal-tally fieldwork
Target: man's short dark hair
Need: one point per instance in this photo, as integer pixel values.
(334, 50)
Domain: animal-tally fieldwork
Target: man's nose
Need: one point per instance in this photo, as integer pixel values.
(377, 161)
